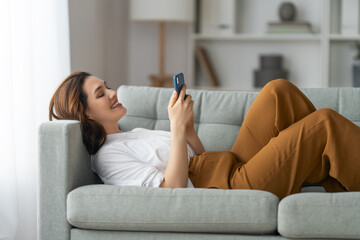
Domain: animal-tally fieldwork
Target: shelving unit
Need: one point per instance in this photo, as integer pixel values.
(322, 59)
(256, 37)
(339, 37)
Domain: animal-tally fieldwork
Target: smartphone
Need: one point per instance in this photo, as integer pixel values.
(179, 83)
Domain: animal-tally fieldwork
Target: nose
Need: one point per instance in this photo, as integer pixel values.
(112, 94)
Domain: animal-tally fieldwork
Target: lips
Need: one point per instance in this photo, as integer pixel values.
(115, 104)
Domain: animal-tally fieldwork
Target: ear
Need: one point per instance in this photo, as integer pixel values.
(88, 116)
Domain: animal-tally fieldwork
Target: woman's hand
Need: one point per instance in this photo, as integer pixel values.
(181, 112)
(181, 117)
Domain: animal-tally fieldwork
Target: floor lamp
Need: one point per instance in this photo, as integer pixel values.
(161, 11)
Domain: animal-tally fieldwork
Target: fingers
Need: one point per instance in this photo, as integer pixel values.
(192, 104)
(182, 95)
(182, 92)
(188, 98)
(172, 99)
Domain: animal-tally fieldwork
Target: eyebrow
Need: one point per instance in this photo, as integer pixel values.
(99, 87)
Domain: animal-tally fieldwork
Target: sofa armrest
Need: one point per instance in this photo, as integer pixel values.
(64, 164)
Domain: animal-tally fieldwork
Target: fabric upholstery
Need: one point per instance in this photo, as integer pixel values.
(64, 165)
(319, 215)
(212, 118)
(81, 234)
(180, 210)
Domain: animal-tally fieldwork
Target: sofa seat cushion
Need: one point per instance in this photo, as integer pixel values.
(109, 207)
(320, 215)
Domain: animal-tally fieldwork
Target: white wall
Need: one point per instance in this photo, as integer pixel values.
(143, 50)
(105, 43)
(99, 39)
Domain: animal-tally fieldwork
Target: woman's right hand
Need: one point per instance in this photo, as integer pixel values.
(180, 111)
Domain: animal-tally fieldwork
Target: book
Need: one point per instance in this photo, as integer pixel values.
(290, 27)
(290, 23)
(206, 66)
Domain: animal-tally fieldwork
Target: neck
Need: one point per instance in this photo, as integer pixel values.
(112, 130)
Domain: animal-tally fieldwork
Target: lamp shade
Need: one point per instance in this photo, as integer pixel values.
(162, 10)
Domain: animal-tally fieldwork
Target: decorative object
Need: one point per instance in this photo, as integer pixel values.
(270, 69)
(162, 11)
(206, 66)
(287, 11)
(217, 17)
(287, 23)
(356, 67)
(350, 17)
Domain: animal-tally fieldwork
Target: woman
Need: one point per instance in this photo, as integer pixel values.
(283, 142)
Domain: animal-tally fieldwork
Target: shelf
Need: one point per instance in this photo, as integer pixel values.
(258, 37)
(340, 37)
(277, 37)
(322, 59)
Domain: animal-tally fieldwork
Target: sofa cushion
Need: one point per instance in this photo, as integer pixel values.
(109, 207)
(320, 215)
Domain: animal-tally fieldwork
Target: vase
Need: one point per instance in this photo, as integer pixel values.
(270, 69)
(287, 11)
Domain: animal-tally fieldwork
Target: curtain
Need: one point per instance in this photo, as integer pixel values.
(34, 59)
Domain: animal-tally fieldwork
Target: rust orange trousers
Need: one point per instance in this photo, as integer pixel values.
(284, 142)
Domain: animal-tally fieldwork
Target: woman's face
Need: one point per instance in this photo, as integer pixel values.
(101, 101)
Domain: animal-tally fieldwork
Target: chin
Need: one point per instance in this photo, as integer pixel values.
(123, 113)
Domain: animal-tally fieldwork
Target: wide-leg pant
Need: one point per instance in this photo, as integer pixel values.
(284, 142)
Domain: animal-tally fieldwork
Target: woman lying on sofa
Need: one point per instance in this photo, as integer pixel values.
(283, 142)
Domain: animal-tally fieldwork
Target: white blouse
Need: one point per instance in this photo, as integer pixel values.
(135, 158)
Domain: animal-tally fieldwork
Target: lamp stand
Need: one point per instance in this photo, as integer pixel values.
(161, 79)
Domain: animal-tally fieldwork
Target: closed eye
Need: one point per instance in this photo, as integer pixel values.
(103, 93)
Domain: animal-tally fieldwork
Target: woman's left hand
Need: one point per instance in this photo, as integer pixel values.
(190, 128)
(192, 137)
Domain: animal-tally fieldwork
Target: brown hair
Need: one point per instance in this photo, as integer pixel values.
(70, 102)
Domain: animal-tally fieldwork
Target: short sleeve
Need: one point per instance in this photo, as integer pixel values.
(120, 168)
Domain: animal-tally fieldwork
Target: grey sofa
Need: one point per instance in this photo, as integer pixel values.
(74, 204)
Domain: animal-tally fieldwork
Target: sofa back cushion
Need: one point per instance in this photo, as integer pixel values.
(218, 115)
